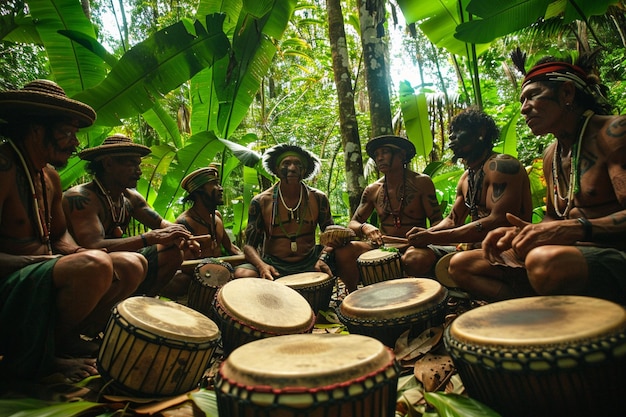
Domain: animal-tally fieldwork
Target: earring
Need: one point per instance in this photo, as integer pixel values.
(480, 138)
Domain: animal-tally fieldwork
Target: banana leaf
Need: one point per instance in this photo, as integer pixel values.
(454, 405)
(415, 113)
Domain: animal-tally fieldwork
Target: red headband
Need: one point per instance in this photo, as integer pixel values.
(551, 71)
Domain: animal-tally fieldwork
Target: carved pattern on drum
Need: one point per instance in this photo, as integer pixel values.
(207, 278)
(379, 265)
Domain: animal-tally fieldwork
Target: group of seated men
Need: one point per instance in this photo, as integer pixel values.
(65, 258)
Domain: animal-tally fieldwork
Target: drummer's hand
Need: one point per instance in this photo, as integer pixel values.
(416, 237)
(191, 247)
(174, 234)
(497, 241)
(322, 266)
(268, 272)
(372, 233)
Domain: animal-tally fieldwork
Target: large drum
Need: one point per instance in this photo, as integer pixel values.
(315, 287)
(247, 309)
(313, 375)
(208, 276)
(379, 265)
(387, 309)
(153, 347)
(543, 356)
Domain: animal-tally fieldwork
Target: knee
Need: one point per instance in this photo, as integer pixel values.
(544, 275)
(131, 268)
(418, 261)
(98, 269)
(245, 273)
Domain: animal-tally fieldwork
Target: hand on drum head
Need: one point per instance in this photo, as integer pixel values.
(415, 237)
(373, 234)
(321, 266)
(268, 272)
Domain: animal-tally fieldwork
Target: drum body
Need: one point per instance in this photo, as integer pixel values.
(253, 308)
(208, 276)
(379, 265)
(153, 347)
(313, 375)
(387, 309)
(315, 287)
(543, 356)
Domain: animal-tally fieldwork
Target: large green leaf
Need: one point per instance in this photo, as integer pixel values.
(246, 156)
(30, 407)
(154, 67)
(415, 114)
(508, 135)
(159, 159)
(454, 405)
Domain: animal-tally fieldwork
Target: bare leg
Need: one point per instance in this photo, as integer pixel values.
(557, 270)
(345, 259)
(169, 259)
(178, 286)
(418, 262)
(245, 273)
(76, 369)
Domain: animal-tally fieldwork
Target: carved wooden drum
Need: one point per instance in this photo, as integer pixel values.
(253, 308)
(208, 276)
(387, 309)
(315, 287)
(313, 375)
(379, 265)
(153, 347)
(543, 356)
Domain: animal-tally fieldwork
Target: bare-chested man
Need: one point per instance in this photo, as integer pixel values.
(49, 286)
(282, 220)
(493, 185)
(579, 246)
(403, 199)
(98, 212)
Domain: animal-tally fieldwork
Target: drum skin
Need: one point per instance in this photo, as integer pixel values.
(208, 276)
(315, 287)
(378, 265)
(253, 308)
(313, 375)
(387, 309)
(155, 348)
(543, 356)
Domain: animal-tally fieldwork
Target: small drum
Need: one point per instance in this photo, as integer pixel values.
(315, 287)
(153, 347)
(208, 276)
(543, 356)
(379, 265)
(313, 375)
(444, 278)
(387, 309)
(247, 309)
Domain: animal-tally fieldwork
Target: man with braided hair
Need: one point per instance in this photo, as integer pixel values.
(578, 248)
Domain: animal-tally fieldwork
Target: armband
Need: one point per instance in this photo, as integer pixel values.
(361, 229)
(144, 240)
(587, 228)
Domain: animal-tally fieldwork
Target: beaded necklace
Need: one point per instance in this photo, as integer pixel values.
(299, 219)
(117, 218)
(291, 212)
(397, 214)
(44, 219)
(572, 187)
(211, 227)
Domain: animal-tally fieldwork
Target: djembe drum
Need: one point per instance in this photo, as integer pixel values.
(313, 375)
(208, 276)
(315, 287)
(253, 308)
(543, 356)
(379, 265)
(153, 347)
(387, 309)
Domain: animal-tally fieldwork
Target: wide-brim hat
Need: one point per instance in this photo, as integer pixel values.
(392, 141)
(199, 177)
(44, 98)
(116, 145)
(273, 156)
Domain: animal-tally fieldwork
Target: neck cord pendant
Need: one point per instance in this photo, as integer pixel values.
(291, 212)
(474, 188)
(397, 214)
(117, 217)
(299, 219)
(572, 187)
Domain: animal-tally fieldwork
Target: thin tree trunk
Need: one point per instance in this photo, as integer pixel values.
(348, 124)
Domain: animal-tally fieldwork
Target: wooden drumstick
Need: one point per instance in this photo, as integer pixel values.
(198, 237)
(393, 239)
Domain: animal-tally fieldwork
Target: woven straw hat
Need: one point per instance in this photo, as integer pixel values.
(392, 141)
(44, 98)
(199, 177)
(272, 157)
(116, 145)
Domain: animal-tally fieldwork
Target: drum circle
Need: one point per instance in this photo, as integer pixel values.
(315, 287)
(543, 356)
(379, 265)
(313, 375)
(248, 309)
(387, 309)
(208, 276)
(155, 348)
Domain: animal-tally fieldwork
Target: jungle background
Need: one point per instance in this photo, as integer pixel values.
(202, 81)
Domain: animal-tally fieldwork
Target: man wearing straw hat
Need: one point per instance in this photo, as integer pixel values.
(282, 220)
(50, 287)
(402, 199)
(98, 212)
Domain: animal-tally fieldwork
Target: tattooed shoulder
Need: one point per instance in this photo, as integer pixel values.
(505, 164)
(5, 163)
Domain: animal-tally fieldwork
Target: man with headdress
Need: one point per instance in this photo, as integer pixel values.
(98, 212)
(492, 185)
(282, 220)
(578, 248)
(403, 199)
(50, 287)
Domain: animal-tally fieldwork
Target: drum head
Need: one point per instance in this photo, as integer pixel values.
(266, 305)
(212, 274)
(441, 271)
(395, 298)
(304, 279)
(168, 319)
(535, 321)
(305, 360)
(377, 255)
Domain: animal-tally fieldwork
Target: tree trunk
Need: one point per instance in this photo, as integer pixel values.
(372, 18)
(348, 125)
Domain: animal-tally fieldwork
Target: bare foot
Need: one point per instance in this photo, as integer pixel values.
(76, 369)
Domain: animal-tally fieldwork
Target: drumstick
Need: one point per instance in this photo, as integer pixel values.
(393, 239)
(198, 237)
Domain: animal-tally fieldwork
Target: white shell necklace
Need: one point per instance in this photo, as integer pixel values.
(117, 217)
